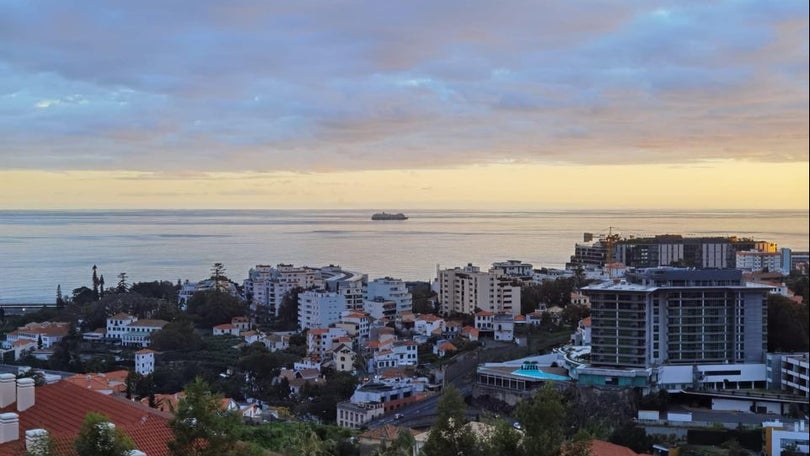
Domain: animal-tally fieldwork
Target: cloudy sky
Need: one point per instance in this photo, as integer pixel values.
(514, 104)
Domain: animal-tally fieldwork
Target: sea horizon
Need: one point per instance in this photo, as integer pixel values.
(46, 248)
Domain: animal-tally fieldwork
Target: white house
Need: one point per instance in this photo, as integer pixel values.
(139, 332)
(144, 362)
(379, 308)
(226, 329)
(320, 341)
(484, 320)
(503, 325)
(117, 325)
(47, 333)
(344, 357)
(427, 324)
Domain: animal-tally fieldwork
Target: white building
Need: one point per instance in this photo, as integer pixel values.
(344, 357)
(779, 436)
(266, 286)
(378, 308)
(47, 334)
(514, 268)
(319, 308)
(320, 341)
(427, 324)
(789, 372)
(503, 327)
(139, 332)
(355, 323)
(350, 285)
(484, 320)
(117, 325)
(754, 260)
(462, 290)
(144, 362)
(226, 329)
(389, 289)
(354, 416)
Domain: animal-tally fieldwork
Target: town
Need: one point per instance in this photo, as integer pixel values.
(641, 345)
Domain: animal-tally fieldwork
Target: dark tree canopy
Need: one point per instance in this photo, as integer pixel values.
(211, 308)
(787, 325)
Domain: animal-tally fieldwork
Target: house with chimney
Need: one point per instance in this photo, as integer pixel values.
(30, 414)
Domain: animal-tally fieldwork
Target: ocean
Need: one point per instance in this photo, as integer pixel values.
(42, 249)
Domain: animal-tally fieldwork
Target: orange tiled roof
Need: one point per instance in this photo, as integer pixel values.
(484, 313)
(447, 346)
(24, 342)
(115, 381)
(60, 409)
(520, 318)
(428, 317)
(602, 448)
(225, 326)
(317, 331)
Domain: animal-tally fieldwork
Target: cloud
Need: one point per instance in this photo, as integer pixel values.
(320, 86)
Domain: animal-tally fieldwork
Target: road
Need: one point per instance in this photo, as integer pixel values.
(459, 373)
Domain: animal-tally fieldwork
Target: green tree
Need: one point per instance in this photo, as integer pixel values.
(122, 286)
(200, 426)
(542, 418)
(211, 308)
(449, 435)
(788, 325)
(306, 442)
(42, 445)
(505, 440)
(98, 437)
(401, 446)
(177, 335)
(288, 310)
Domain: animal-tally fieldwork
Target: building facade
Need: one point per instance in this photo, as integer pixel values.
(319, 308)
(463, 290)
(677, 316)
(389, 289)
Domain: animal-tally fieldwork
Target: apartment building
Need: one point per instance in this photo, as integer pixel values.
(463, 290)
(514, 268)
(789, 372)
(319, 308)
(350, 285)
(753, 260)
(389, 289)
(677, 316)
(266, 285)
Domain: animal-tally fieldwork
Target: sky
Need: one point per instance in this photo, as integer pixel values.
(415, 104)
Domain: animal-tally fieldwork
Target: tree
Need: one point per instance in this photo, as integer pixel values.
(210, 308)
(401, 446)
(449, 435)
(505, 440)
(218, 272)
(542, 418)
(99, 437)
(122, 286)
(788, 325)
(177, 335)
(288, 310)
(60, 300)
(200, 426)
(83, 295)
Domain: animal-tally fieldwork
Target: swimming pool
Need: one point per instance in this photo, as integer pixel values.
(540, 375)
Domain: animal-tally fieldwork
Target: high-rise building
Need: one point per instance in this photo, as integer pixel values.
(266, 285)
(677, 316)
(463, 290)
(389, 289)
(319, 308)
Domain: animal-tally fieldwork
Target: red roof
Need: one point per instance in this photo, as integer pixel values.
(602, 448)
(484, 313)
(60, 409)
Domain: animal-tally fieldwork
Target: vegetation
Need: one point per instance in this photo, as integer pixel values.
(200, 426)
(788, 323)
(98, 437)
(449, 435)
(211, 308)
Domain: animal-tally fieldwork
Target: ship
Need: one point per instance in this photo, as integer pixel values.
(387, 216)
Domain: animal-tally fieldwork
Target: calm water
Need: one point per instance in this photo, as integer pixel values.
(42, 249)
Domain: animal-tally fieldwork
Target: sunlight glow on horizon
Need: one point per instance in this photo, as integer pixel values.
(719, 184)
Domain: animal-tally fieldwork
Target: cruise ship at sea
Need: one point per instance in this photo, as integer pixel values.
(387, 216)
